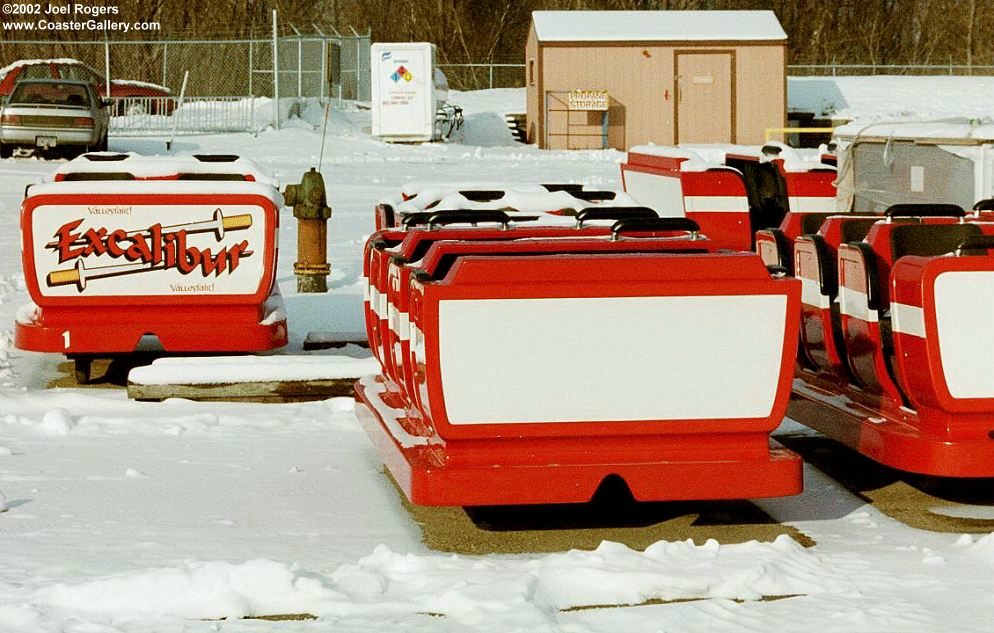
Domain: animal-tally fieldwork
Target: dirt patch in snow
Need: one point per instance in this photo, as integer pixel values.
(927, 503)
(107, 374)
(612, 517)
(656, 602)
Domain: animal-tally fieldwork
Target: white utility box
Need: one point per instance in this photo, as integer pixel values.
(410, 94)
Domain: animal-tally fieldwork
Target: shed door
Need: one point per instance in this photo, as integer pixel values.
(704, 111)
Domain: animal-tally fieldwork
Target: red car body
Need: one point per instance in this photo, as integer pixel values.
(67, 68)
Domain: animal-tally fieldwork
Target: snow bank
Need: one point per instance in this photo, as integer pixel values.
(498, 101)
(905, 97)
(105, 413)
(198, 590)
(970, 131)
(483, 111)
(6, 369)
(523, 591)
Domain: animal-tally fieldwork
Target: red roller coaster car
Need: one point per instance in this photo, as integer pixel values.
(531, 361)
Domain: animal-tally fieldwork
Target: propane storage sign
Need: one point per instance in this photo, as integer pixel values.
(403, 91)
(128, 250)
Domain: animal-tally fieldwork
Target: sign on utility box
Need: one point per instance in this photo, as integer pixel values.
(404, 99)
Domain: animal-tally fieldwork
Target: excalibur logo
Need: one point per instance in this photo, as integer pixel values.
(155, 248)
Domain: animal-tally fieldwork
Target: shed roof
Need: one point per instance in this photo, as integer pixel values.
(662, 26)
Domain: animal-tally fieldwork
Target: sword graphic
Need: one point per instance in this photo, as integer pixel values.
(80, 274)
(217, 225)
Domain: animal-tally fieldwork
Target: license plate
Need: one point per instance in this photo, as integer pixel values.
(45, 141)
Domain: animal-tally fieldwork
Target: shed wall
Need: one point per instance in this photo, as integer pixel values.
(640, 80)
(762, 92)
(533, 74)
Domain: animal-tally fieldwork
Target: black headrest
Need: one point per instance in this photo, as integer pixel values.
(74, 176)
(614, 213)
(482, 195)
(810, 222)
(855, 229)
(920, 210)
(976, 245)
(216, 158)
(594, 196)
(560, 186)
(929, 240)
(196, 176)
(104, 157)
(651, 225)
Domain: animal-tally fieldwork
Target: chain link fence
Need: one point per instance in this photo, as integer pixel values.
(231, 84)
(844, 70)
(483, 76)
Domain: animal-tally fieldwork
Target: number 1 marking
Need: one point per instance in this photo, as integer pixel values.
(65, 339)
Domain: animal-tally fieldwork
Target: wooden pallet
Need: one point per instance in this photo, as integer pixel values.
(290, 378)
(274, 391)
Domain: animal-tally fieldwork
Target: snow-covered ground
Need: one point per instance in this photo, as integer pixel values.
(138, 517)
(893, 97)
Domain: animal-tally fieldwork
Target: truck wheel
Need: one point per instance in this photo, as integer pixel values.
(6, 151)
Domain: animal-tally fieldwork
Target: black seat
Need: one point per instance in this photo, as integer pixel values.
(855, 230)
(974, 246)
(827, 268)
(766, 191)
(930, 240)
(811, 222)
(917, 210)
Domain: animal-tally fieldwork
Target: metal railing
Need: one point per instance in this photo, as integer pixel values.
(305, 63)
(483, 75)
(226, 77)
(836, 70)
(155, 116)
(480, 76)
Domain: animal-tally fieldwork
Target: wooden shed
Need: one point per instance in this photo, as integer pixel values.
(622, 78)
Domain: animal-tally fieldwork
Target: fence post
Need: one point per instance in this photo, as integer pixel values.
(324, 65)
(276, 78)
(179, 104)
(251, 67)
(300, 67)
(165, 55)
(106, 66)
(491, 76)
(325, 81)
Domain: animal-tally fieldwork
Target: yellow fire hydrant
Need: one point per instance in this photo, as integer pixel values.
(310, 207)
